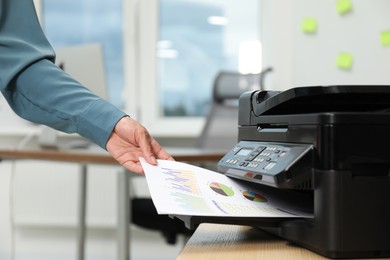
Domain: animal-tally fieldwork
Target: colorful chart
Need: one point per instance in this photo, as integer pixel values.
(253, 196)
(181, 180)
(190, 204)
(221, 189)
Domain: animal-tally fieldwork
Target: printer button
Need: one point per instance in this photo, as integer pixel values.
(269, 166)
(244, 164)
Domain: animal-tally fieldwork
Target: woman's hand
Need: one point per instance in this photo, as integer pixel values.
(130, 140)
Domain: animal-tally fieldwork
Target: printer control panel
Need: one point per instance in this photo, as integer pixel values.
(266, 162)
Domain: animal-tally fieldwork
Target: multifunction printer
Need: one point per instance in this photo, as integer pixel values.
(332, 145)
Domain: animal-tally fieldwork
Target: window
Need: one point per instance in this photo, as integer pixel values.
(183, 45)
(75, 22)
(197, 39)
(170, 51)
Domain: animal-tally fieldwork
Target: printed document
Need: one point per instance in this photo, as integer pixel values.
(182, 189)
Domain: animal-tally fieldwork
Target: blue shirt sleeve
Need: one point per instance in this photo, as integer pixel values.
(36, 89)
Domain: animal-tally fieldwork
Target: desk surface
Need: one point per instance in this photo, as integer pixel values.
(225, 242)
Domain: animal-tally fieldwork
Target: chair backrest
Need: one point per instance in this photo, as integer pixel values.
(221, 128)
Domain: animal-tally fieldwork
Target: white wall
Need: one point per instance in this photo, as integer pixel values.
(302, 59)
(278, 43)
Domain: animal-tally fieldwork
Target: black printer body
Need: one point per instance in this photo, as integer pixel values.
(331, 143)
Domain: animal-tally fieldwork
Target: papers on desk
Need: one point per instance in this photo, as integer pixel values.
(182, 189)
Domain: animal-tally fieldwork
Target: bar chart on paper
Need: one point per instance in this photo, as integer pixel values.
(181, 180)
(182, 189)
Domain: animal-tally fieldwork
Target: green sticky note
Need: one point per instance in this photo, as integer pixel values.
(385, 38)
(344, 61)
(309, 25)
(343, 6)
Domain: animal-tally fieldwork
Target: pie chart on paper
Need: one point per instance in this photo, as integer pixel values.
(221, 189)
(253, 196)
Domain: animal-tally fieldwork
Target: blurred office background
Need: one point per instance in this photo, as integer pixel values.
(157, 60)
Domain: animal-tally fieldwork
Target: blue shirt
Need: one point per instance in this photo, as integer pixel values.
(36, 89)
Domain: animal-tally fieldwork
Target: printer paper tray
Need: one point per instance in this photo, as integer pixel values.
(192, 222)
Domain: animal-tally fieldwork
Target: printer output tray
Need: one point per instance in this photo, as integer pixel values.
(192, 222)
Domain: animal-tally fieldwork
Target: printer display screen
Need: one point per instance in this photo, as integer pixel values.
(244, 151)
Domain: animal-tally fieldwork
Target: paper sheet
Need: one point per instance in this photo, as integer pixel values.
(182, 189)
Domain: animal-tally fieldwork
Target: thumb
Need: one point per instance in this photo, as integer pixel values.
(146, 148)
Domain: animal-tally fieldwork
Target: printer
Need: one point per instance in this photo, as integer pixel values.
(330, 143)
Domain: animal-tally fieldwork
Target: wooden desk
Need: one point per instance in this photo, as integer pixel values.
(225, 242)
(99, 156)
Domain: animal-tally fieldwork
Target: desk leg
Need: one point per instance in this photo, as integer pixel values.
(81, 231)
(124, 213)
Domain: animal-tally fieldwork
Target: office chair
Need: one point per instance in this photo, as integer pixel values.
(220, 131)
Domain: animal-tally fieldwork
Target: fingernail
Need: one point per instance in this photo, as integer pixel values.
(153, 159)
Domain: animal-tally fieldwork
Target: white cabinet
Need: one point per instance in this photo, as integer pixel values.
(46, 194)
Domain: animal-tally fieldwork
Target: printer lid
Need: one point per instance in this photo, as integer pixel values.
(317, 99)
